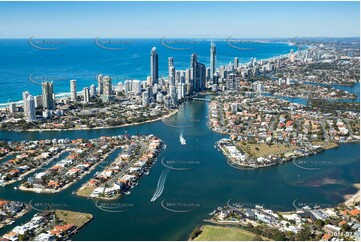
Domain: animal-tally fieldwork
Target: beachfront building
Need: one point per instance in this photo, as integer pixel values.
(153, 66)
(30, 108)
(73, 90)
(86, 95)
(48, 97)
(107, 91)
(213, 52)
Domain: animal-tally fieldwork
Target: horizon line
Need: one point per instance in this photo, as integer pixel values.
(301, 37)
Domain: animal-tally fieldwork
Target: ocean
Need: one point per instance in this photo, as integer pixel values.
(23, 60)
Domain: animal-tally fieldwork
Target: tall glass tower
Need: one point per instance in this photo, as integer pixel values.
(213, 60)
(47, 90)
(153, 66)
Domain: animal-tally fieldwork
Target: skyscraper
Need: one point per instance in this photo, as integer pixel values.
(171, 76)
(291, 56)
(93, 90)
(201, 76)
(213, 58)
(193, 69)
(25, 96)
(208, 73)
(48, 100)
(197, 74)
(73, 90)
(86, 95)
(236, 62)
(154, 66)
(170, 61)
(30, 108)
(171, 71)
(136, 87)
(100, 84)
(187, 76)
(145, 98)
(12, 107)
(38, 101)
(107, 86)
(127, 86)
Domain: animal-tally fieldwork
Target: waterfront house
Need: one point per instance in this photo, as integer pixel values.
(73, 172)
(44, 237)
(326, 237)
(63, 229)
(13, 236)
(53, 184)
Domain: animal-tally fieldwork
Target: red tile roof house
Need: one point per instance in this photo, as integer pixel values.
(354, 212)
(326, 237)
(60, 230)
(342, 222)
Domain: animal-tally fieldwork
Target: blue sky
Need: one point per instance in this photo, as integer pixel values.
(179, 19)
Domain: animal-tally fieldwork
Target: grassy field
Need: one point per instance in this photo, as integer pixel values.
(76, 218)
(259, 150)
(218, 233)
(85, 191)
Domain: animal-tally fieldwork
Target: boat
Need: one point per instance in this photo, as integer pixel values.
(15, 188)
(147, 173)
(212, 213)
(127, 192)
(182, 140)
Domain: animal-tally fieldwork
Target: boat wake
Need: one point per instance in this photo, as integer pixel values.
(160, 185)
(182, 139)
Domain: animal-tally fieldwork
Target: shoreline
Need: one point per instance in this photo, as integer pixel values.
(234, 165)
(352, 199)
(95, 128)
